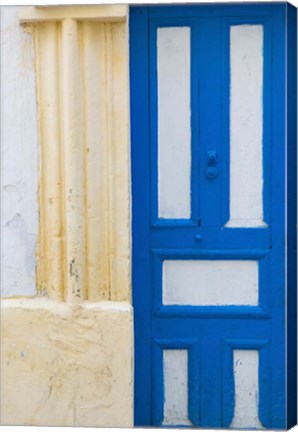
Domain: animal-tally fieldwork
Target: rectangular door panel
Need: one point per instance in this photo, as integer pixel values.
(210, 282)
(246, 126)
(175, 382)
(174, 132)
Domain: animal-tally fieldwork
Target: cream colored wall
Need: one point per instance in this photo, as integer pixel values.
(70, 347)
(82, 87)
(66, 366)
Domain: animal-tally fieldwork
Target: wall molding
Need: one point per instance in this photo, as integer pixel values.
(99, 13)
(81, 57)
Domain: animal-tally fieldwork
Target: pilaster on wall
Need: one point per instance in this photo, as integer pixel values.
(82, 85)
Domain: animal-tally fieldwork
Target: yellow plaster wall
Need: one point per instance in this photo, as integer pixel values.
(67, 354)
(82, 89)
(66, 365)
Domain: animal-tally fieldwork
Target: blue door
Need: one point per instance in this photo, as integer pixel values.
(208, 103)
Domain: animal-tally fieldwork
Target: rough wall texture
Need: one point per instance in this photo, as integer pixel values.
(19, 153)
(66, 366)
(63, 363)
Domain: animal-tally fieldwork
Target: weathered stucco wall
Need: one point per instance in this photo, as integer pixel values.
(67, 351)
(19, 157)
(66, 366)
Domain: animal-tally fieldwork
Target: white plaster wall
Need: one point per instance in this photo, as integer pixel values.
(19, 156)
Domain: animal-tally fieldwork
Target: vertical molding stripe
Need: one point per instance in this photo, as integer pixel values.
(120, 158)
(109, 153)
(96, 176)
(50, 272)
(71, 90)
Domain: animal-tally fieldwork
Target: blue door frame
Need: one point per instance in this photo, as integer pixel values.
(210, 333)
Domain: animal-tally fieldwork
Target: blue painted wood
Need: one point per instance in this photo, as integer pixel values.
(291, 215)
(141, 213)
(215, 330)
